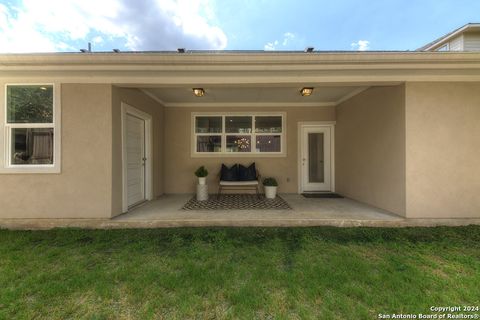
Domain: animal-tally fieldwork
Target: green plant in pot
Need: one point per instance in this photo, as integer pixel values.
(270, 185)
(202, 174)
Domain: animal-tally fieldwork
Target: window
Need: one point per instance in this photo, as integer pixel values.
(208, 130)
(30, 128)
(238, 134)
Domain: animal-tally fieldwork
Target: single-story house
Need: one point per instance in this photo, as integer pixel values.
(91, 134)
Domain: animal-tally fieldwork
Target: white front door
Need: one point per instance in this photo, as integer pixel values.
(135, 136)
(316, 158)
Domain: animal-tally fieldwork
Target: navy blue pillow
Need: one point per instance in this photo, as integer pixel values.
(247, 174)
(229, 174)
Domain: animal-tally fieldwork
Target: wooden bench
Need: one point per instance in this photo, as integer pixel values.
(239, 185)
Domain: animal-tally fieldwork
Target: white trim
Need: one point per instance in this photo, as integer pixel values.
(332, 158)
(248, 104)
(5, 166)
(223, 134)
(300, 126)
(128, 109)
(317, 123)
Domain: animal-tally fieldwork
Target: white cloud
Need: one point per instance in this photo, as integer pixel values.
(271, 46)
(287, 38)
(49, 25)
(361, 45)
(97, 40)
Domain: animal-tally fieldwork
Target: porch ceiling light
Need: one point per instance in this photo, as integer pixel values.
(198, 92)
(305, 92)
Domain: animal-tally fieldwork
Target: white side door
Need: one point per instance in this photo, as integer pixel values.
(316, 158)
(135, 143)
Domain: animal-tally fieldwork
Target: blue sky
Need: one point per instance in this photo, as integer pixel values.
(68, 25)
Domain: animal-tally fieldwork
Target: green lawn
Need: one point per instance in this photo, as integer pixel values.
(243, 273)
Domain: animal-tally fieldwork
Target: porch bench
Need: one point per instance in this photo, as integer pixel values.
(238, 184)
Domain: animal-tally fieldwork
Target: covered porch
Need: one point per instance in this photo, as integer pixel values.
(345, 138)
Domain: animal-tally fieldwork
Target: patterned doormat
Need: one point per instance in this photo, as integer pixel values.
(237, 202)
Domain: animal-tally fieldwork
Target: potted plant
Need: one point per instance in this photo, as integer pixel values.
(202, 174)
(270, 185)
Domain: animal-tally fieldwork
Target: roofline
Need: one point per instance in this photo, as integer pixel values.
(240, 68)
(196, 58)
(196, 52)
(447, 37)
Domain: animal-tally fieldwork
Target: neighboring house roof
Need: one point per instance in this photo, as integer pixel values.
(443, 39)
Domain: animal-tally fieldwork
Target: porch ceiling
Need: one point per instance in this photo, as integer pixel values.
(253, 96)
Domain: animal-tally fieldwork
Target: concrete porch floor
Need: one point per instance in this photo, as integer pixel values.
(306, 211)
(166, 212)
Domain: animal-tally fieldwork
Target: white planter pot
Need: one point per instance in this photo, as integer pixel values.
(202, 192)
(270, 192)
(202, 180)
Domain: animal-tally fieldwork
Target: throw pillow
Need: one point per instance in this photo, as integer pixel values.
(229, 174)
(247, 174)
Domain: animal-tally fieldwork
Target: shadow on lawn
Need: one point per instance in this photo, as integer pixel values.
(245, 236)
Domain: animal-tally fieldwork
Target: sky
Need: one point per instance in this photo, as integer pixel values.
(144, 25)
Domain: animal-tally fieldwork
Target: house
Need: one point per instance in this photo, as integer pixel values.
(89, 135)
(466, 38)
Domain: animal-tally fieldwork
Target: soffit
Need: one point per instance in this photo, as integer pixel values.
(258, 95)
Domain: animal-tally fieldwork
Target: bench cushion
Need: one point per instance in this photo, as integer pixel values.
(238, 183)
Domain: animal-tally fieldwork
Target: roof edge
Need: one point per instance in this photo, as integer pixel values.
(152, 58)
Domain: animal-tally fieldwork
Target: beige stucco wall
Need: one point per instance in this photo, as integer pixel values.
(83, 188)
(413, 150)
(443, 150)
(370, 148)
(141, 101)
(179, 165)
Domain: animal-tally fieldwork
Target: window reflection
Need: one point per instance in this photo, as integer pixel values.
(32, 146)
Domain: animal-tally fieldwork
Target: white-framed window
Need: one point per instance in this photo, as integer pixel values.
(31, 129)
(239, 134)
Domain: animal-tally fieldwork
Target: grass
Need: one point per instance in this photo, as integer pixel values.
(243, 273)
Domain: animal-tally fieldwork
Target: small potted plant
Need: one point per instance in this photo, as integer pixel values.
(202, 174)
(270, 185)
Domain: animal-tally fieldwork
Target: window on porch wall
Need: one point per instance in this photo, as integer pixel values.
(238, 134)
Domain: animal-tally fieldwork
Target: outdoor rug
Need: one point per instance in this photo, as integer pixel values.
(237, 202)
(321, 195)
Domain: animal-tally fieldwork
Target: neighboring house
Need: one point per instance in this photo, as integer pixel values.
(466, 38)
(87, 135)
